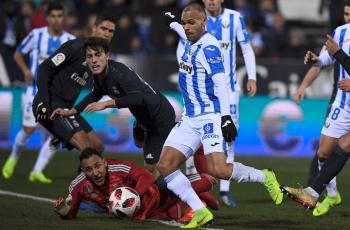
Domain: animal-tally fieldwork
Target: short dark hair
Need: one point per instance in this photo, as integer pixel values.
(54, 5)
(195, 6)
(96, 43)
(105, 17)
(87, 153)
(346, 3)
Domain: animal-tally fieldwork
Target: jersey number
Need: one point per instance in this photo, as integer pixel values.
(335, 114)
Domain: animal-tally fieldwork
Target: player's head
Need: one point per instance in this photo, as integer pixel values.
(55, 16)
(193, 20)
(93, 165)
(97, 53)
(347, 11)
(104, 27)
(213, 6)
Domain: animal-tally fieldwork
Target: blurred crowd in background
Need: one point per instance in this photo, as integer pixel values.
(141, 31)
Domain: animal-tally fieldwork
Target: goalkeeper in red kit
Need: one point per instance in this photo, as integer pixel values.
(100, 177)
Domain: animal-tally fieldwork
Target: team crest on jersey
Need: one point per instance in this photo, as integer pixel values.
(225, 24)
(58, 59)
(186, 67)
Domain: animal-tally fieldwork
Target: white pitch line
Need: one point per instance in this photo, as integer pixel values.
(25, 196)
(38, 198)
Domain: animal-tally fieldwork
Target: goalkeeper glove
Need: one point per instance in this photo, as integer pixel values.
(228, 128)
(61, 207)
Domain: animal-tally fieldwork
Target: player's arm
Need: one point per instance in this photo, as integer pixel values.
(24, 48)
(68, 208)
(216, 69)
(248, 56)
(310, 76)
(142, 177)
(171, 22)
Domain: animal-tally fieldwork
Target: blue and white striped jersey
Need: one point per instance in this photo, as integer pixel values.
(40, 45)
(342, 36)
(198, 63)
(227, 28)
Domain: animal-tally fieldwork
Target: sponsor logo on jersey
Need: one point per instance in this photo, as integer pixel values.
(186, 67)
(214, 60)
(58, 59)
(225, 45)
(80, 80)
(209, 131)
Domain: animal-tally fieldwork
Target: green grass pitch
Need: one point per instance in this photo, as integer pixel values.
(255, 209)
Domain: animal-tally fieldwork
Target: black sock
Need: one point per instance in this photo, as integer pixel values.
(332, 166)
(313, 170)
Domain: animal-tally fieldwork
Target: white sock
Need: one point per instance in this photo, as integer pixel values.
(225, 184)
(178, 183)
(312, 192)
(190, 167)
(242, 173)
(45, 155)
(20, 142)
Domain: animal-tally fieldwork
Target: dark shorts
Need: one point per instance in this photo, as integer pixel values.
(157, 133)
(65, 128)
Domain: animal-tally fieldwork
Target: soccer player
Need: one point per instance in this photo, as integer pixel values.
(127, 90)
(338, 120)
(61, 78)
(39, 44)
(206, 119)
(100, 177)
(228, 27)
(327, 142)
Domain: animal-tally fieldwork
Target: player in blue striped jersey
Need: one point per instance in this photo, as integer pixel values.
(206, 119)
(39, 44)
(229, 28)
(337, 125)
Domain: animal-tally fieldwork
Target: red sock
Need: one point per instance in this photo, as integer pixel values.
(199, 161)
(210, 200)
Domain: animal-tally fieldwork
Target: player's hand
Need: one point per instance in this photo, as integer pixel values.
(344, 84)
(59, 112)
(95, 106)
(169, 17)
(28, 76)
(310, 57)
(43, 111)
(251, 88)
(298, 96)
(61, 207)
(331, 45)
(228, 128)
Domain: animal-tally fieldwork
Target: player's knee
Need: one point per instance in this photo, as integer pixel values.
(28, 130)
(164, 168)
(344, 143)
(322, 154)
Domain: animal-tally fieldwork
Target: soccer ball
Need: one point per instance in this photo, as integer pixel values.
(124, 202)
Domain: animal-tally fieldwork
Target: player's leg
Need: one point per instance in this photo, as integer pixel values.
(217, 161)
(225, 195)
(28, 127)
(47, 151)
(180, 144)
(333, 165)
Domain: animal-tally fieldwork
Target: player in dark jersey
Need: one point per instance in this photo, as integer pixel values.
(127, 90)
(100, 177)
(61, 77)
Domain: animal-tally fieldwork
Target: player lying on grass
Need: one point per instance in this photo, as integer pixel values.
(100, 177)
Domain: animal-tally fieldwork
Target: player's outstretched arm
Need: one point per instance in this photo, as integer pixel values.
(310, 76)
(59, 112)
(172, 23)
(98, 106)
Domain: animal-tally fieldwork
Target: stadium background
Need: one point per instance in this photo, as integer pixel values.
(281, 32)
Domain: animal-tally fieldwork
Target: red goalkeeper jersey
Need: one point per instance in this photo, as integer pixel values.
(119, 174)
